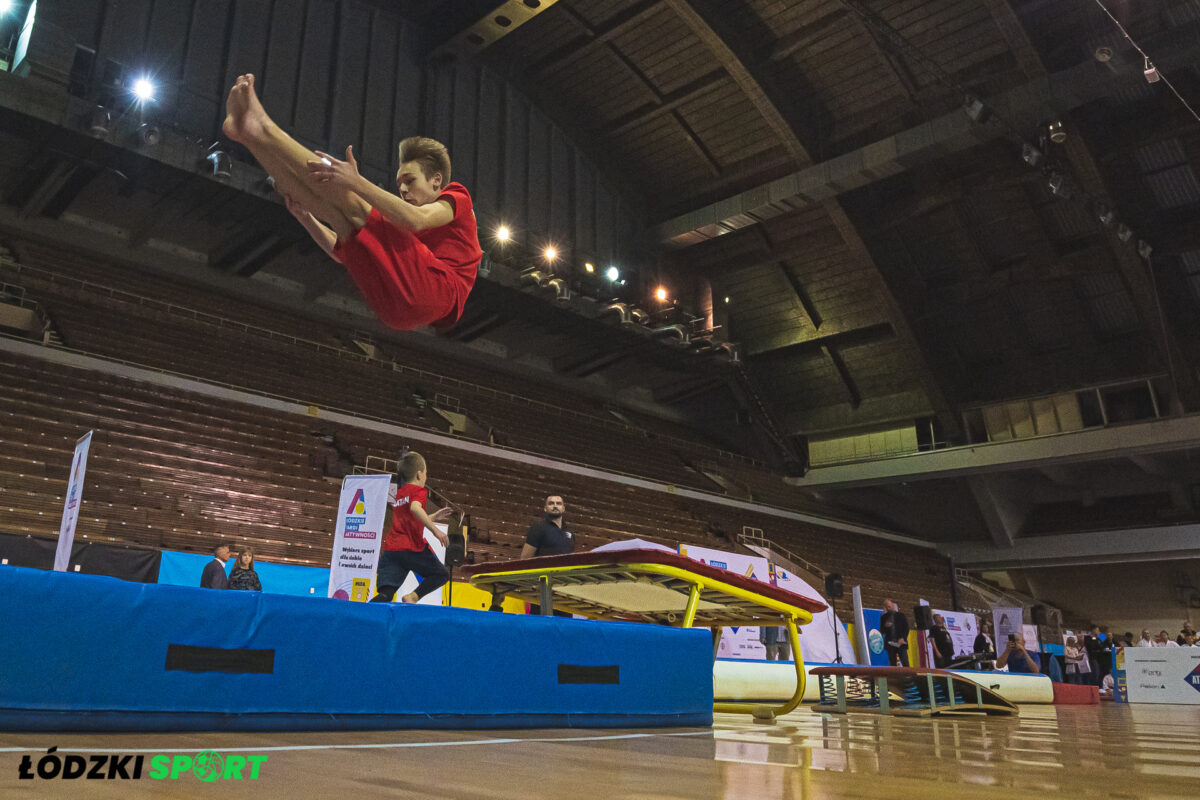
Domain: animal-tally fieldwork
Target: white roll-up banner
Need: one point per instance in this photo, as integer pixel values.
(358, 537)
(66, 531)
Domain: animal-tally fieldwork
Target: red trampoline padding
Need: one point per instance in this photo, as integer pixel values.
(615, 557)
(1074, 694)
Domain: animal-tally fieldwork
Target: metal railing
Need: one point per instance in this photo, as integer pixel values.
(755, 536)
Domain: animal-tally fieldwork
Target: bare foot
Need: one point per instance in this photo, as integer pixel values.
(411, 597)
(245, 118)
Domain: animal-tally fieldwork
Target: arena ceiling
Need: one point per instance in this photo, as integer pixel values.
(887, 256)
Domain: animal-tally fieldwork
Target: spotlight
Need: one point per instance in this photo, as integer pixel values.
(660, 294)
(1105, 215)
(1057, 133)
(143, 90)
(612, 274)
(5, 7)
(220, 163)
(1144, 249)
(550, 253)
(1123, 232)
(589, 267)
(1151, 73)
(1104, 54)
(503, 233)
(727, 300)
(975, 109)
(100, 122)
(1031, 154)
(147, 135)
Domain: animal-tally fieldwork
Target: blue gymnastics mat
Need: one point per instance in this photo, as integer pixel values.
(91, 653)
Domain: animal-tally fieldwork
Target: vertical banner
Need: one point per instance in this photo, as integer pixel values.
(862, 645)
(66, 531)
(1006, 621)
(873, 622)
(358, 537)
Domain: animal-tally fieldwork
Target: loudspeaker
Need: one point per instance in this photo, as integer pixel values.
(924, 617)
(1038, 615)
(833, 585)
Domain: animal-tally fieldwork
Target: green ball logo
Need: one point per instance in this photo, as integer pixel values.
(208, 765)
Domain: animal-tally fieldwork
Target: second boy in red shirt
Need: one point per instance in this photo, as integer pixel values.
(404, 547)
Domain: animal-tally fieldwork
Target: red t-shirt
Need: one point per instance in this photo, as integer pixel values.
(408, 532)
(456, 244)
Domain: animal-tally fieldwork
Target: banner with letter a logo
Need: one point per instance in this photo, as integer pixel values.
(66, 531)
(358, 537)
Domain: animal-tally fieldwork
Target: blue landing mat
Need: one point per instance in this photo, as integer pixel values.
(83, 652)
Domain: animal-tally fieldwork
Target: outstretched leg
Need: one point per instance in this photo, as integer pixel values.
(286, 160)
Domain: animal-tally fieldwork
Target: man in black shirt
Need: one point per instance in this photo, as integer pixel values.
(548, 536)
(943, 643)
(895, 634)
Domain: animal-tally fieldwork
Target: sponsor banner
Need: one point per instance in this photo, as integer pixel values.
(816, 638)
(873, 622)
(66, 531)
(1120, 681)
(963, 629)
(736, 642)
(358, 537)
(1006, 621)
(1163, 675)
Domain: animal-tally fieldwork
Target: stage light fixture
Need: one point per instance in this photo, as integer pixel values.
(1124, 233)
(612, 274)
(1104, 54)
(727, 300)
(5, 7)
(220, 163)
(976, 110)
(503, 233)
(147, 135)
(143, 90)
(1105, 215)
(660, 294)
(1031, 155)
(589, 267)
(100, 122)
(1056, 131)
(1144, 249)
(1151, 73)
(550, 253)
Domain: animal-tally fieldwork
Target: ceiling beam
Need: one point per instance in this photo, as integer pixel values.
(1166, 543)
(490, 28)
(593, 36)
(1024, 106)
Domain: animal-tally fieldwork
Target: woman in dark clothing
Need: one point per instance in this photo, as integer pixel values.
(943, 645)
(243, 575)
(984, 647)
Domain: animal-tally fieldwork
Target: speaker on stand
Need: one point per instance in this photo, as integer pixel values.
(833, 590)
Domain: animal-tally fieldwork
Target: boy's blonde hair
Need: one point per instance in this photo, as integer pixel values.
(410, 464)
(429, 153)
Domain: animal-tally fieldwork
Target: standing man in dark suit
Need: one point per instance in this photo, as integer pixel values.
(548, 536)
(214, 576)
(895, 634)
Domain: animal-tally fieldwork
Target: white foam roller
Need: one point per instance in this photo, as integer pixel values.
(774, 680)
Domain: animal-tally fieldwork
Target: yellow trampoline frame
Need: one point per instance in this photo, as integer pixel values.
(734, 606)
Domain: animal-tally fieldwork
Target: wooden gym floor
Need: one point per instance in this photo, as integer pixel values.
(1070, 751)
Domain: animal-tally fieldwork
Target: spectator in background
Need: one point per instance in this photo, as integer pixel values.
(895, 634)
(1146, 640)
(943, 645)
(1018, 659)
(214, 576)
(548, 536)
(1126, 640)
(1164, 640)
(1093, 645)
(1076, 657)
(243, 575)
(774, 639)
(1187, 636)
(985, 647)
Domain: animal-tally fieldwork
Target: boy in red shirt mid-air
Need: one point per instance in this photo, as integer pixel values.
(414, 256)
(404, 548)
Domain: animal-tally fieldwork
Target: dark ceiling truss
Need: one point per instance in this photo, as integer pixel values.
(1135, 273)
(591, 37)
(788, 122)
